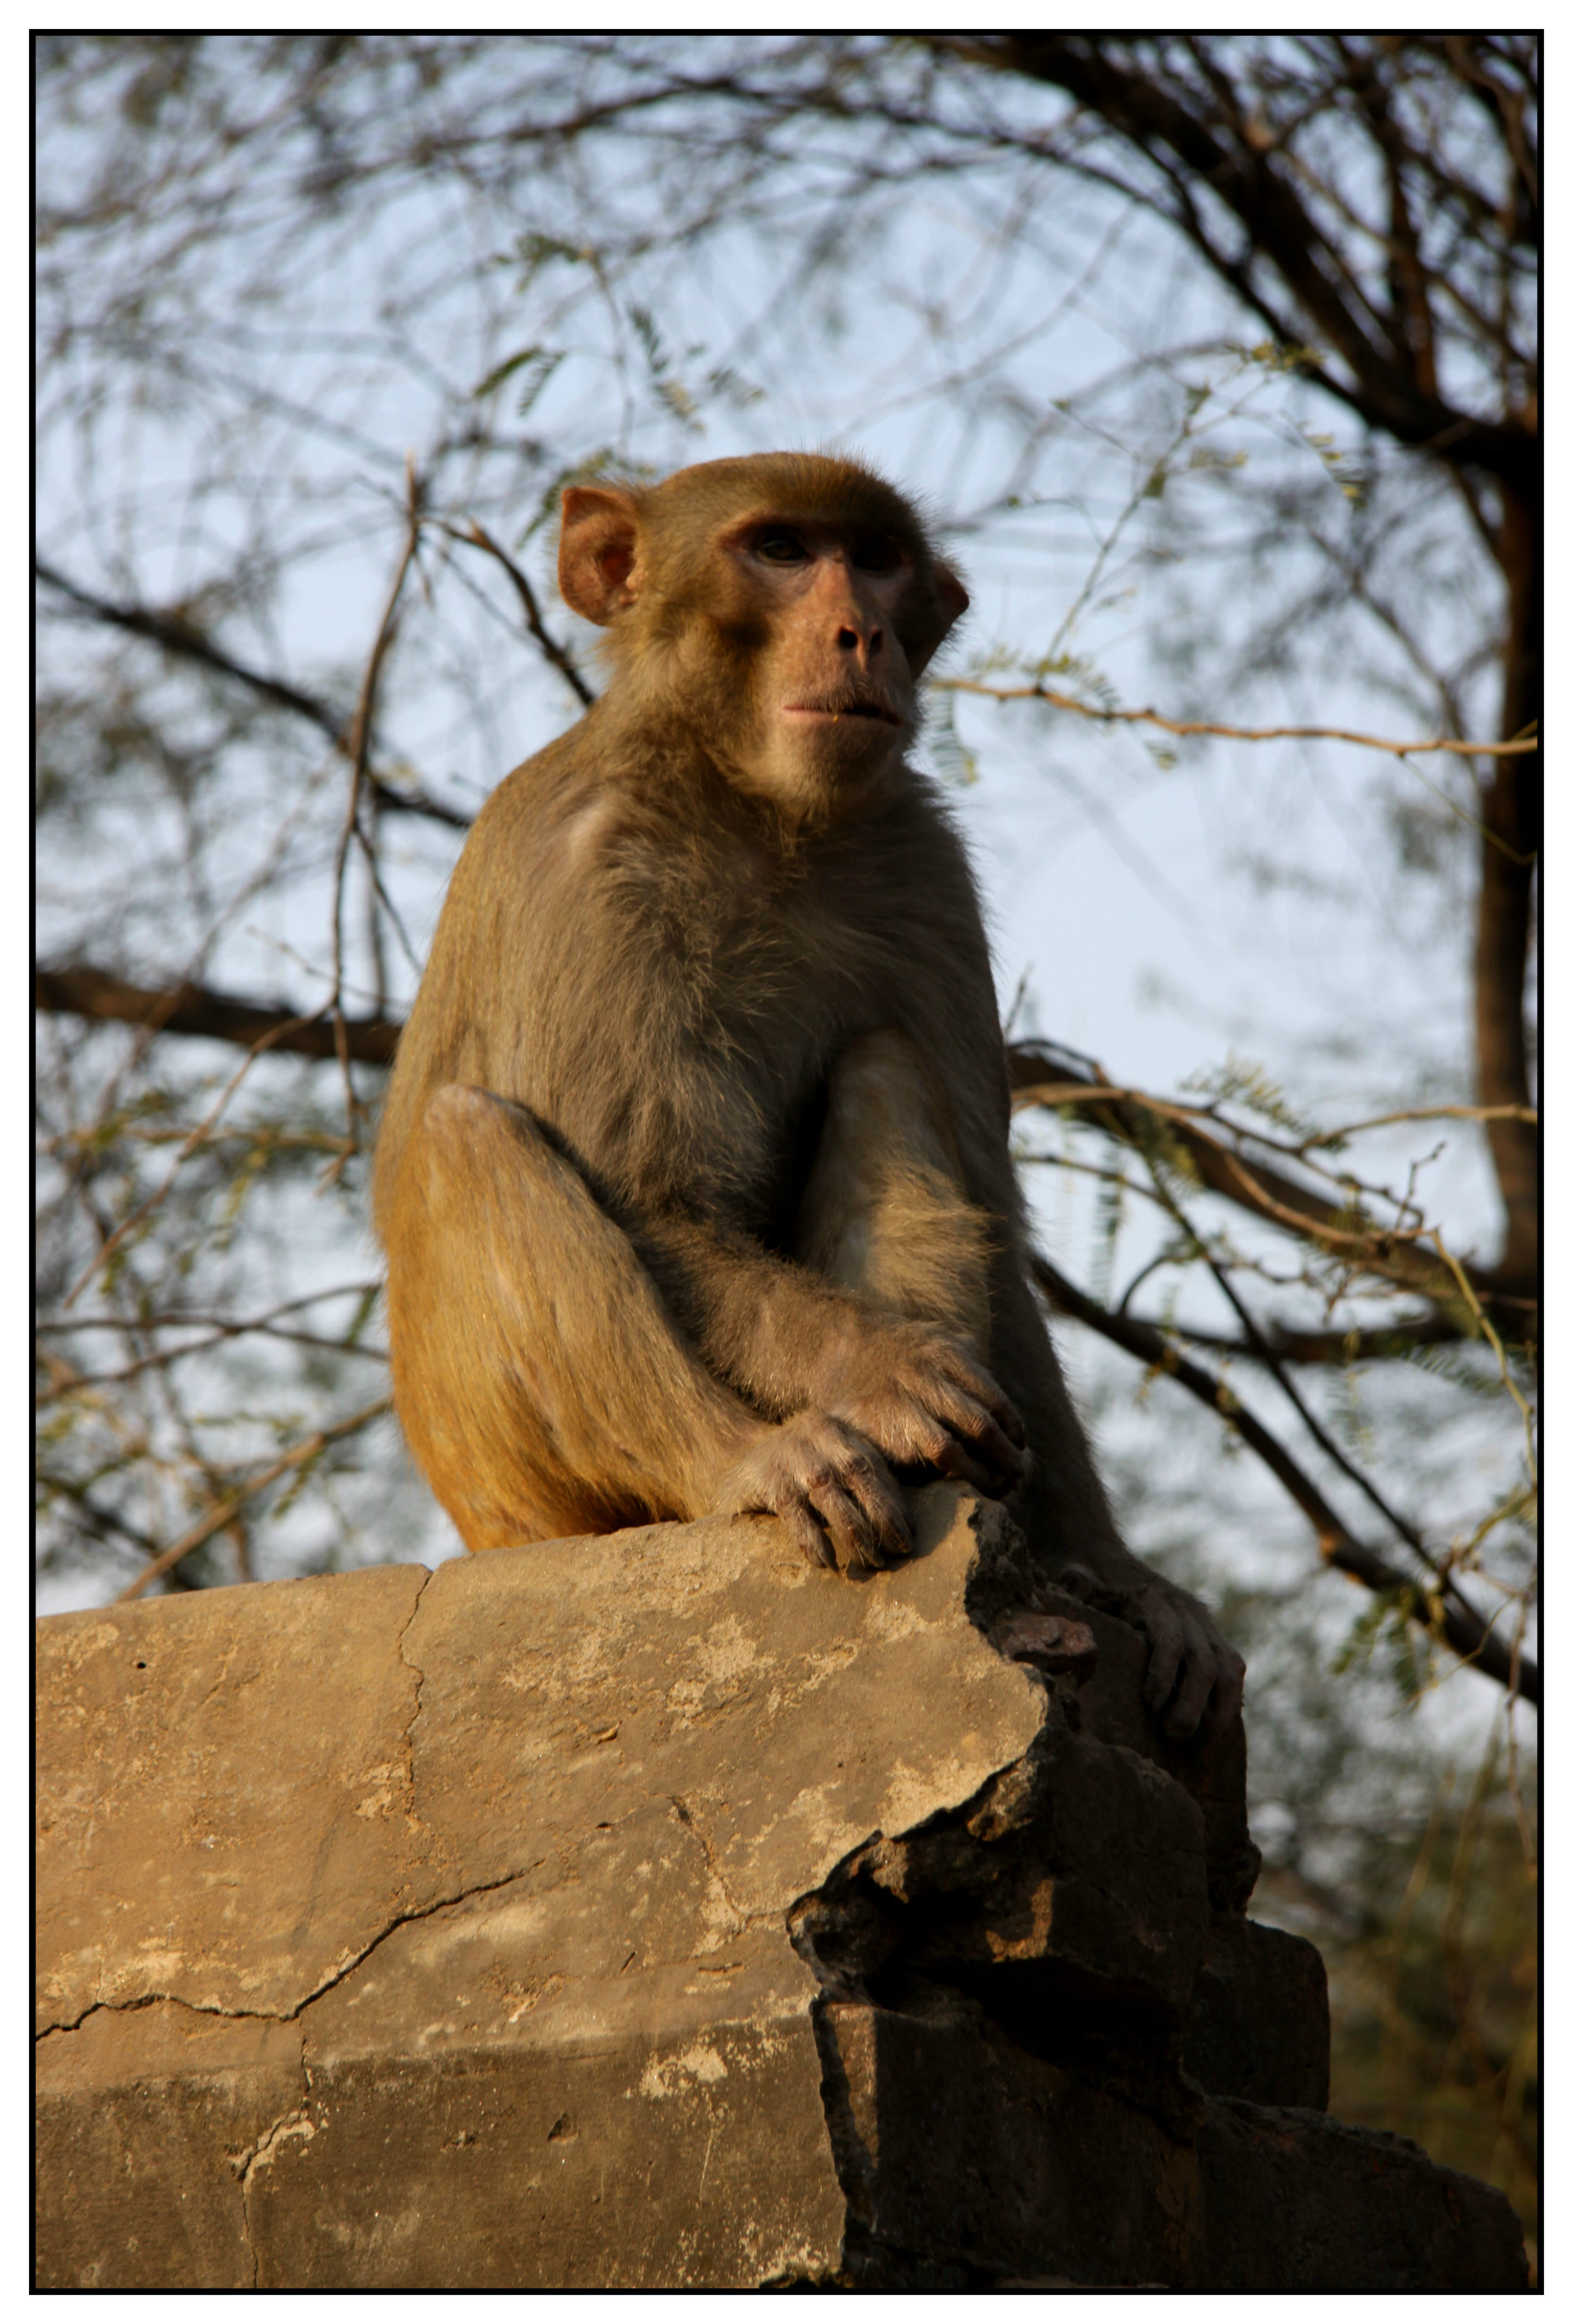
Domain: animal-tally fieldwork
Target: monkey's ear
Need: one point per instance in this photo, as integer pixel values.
(947, 604)
(600, 540)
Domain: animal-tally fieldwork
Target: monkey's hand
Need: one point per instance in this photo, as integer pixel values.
(829, 1487)
(1192, 1670)
(924, 1401)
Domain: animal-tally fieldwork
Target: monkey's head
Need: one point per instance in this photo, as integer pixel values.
(779, 610)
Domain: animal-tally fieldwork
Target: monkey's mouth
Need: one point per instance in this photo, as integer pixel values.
(879, 711)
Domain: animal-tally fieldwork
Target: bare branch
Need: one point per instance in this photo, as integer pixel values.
(143, 1210)
(86, 1383)
(177, 637)
(1443, 1611)
(205, 1015)
(180, 1319)
(217, 1518)
(1266, 1193)
(1522, 747)
(557, 655)
(1256, 1187)
(1383, 1343)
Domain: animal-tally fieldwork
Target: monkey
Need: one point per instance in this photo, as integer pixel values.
(693, 1177)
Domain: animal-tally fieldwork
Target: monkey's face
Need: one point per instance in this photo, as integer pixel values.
(778, 609)
(831, 685)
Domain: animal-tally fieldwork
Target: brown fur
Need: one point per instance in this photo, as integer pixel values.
(693, 1177)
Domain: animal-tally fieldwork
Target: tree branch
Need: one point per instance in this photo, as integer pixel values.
(1384, 386)
(217, 1518)
(1448, 1616)
(1256, 1187)
(198, 1011)
(211, 1016)
(1520, 746)
(557, 655)
(177, 637)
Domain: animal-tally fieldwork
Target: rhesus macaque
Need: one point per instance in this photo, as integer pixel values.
(693, 1177)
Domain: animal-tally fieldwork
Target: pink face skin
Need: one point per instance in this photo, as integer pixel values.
(838, 697)
(816, 717)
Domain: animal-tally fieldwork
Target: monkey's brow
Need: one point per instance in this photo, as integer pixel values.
(843, 527)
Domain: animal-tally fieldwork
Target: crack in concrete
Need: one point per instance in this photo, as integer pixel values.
(690, 1822)
(256, 2157)
(259, 2155)
(296, 2123)
(336, 1977)
(420, 1677)
(285, 2017)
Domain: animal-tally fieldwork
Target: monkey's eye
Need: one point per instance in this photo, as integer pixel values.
(875, 554)
(779, 545)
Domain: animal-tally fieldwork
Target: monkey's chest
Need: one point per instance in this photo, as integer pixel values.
(762, 1034)
(720, 1022)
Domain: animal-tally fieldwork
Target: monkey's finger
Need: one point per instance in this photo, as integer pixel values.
(954, 1460)
(1184, 1714)
(1163, 1664)
(858, 1539)
(879, 1498)
(1229, 1691)
(951, 1458)
(807, 1534)
(983, 1388)
(1008, 1418)
(856, 1543)
(986, 1439)
(928, 1442)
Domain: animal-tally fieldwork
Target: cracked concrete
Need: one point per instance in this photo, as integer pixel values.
(532, 1821)
(653, 1911)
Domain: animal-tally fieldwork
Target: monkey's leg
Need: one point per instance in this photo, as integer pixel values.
(540, 1382)
(884, 1212)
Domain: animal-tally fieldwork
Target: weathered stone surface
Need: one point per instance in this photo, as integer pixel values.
(223, 1794)
(1296, 2202)
(672, 2133)
(149, 2122)
(504, 1855)
(1073, 1884)
(1261, 2030)
(789, 1713)
(653, 1911)
(969, 2162)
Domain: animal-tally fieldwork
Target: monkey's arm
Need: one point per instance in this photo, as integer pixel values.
(1192, 1669)
(788, 1342)
(539, 1378)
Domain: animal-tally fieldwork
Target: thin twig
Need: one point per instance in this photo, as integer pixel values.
(1519, 748)
(357, 750)
(1075, 1093)
(1498, 1351)
(1392, 1252)
(557, 655)
(216, 1519)
(107, 1249)
(80, 1383)
(1319, 1436)
(1464, 1630)
(182, 1319)
(177, 637)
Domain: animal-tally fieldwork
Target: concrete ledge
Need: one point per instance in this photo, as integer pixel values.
(653, 1911)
